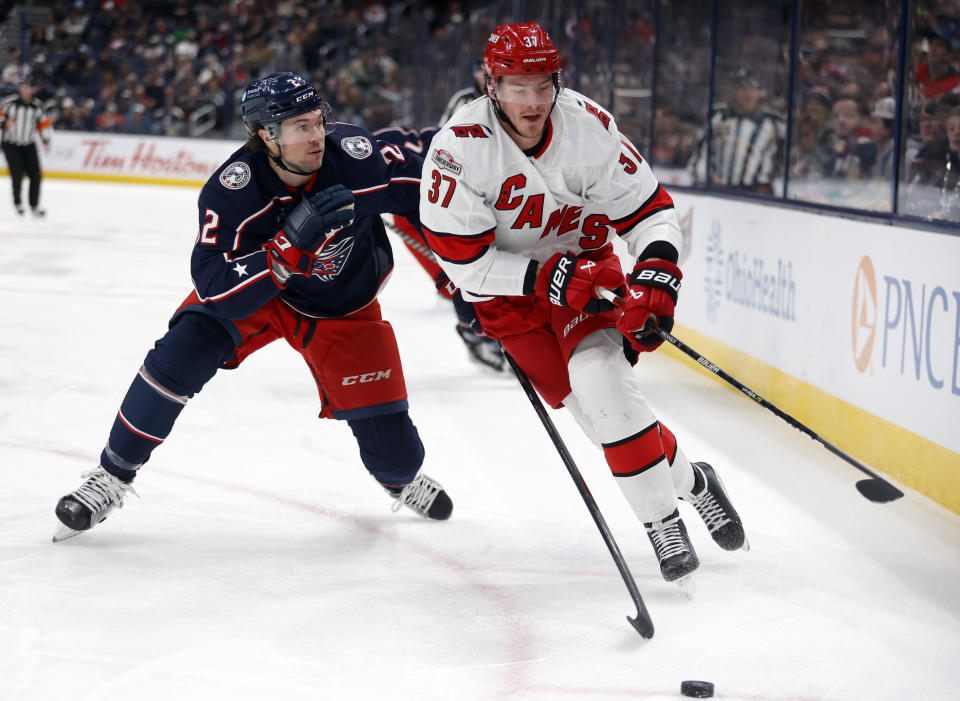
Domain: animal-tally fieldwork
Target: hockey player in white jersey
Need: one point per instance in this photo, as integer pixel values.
(521, 197)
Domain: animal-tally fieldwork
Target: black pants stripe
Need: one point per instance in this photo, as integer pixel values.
(23, 160)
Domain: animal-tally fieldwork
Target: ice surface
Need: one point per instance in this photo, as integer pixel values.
(262, 562)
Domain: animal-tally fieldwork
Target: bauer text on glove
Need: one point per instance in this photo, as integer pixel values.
(569, 281)
(654, 285)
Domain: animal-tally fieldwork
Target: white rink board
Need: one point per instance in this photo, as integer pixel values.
(92, 155)
(868, 313)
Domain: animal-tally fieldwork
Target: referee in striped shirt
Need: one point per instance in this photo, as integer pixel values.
(22, 119)
(747, 141)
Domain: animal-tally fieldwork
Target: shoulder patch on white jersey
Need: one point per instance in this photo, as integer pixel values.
(596, 112)
(235, 176)
(357, 146)
(445, 160)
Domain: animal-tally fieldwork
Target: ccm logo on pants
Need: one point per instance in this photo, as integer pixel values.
(367, 377)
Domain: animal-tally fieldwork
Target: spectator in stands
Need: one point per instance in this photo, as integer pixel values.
(811, 159)
(110, 119)
(12, 73)
(925, 170)
(69, 119)
(675, 140)
(854, 151)
(881, 127)
(926, 166)
(139, 121)
(84, 112)
(71, 73)
(747, 140)
(936, 76)
(877, 62)
(817, 105)
(950, 189)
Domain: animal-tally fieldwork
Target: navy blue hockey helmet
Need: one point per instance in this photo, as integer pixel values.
(268, 101)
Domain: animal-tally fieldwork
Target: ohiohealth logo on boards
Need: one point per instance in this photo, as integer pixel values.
(747, 280)
(906, 326)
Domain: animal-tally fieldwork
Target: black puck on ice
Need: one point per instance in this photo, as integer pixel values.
(698, 690)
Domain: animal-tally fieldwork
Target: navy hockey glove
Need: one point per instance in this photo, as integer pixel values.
(654, 285)
(308, 226)
(569, 281)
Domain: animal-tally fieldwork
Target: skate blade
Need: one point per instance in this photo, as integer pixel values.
(63, 533)
(746, 544)
(687, 585)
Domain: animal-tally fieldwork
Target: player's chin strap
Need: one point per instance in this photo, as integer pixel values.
(280, 164)
(273, 131)
(505, 119)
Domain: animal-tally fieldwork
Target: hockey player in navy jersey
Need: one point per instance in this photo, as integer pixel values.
(290, 245)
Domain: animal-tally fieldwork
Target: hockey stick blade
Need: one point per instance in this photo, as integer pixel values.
(642, 623)
(876, 489)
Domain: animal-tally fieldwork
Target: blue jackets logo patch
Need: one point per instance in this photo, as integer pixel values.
(357, 146)
(330, 260)
(235, 175)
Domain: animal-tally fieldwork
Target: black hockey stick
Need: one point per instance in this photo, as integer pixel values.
(642, 622)
(876, 489)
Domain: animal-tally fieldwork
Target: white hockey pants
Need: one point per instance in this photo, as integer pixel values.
(607, 403)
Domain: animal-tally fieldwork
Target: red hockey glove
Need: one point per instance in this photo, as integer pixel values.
(307, 227)
(654, 285)
(569, 281)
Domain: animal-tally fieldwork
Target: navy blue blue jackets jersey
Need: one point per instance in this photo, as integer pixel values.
(415, 141)
(243, 205)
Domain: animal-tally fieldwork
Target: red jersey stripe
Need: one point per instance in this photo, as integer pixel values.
(457, 248)
(546, 141)
(658, 201)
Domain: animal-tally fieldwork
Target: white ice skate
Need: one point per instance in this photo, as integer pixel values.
(423, 495)
(90, 503)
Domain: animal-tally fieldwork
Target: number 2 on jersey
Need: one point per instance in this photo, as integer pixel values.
(208, 234)
(436, 181)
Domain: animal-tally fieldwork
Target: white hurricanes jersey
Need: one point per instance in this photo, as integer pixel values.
(492, 212)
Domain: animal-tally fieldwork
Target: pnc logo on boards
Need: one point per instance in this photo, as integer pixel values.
(863, 317)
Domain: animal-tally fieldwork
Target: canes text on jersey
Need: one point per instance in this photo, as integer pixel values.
(562, 220)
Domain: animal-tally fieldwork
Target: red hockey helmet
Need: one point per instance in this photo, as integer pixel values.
(520, 49)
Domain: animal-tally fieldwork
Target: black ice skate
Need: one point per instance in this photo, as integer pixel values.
(90, 503)
(483, 350)
(670, 542)
(710, 500)
(424, 496)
